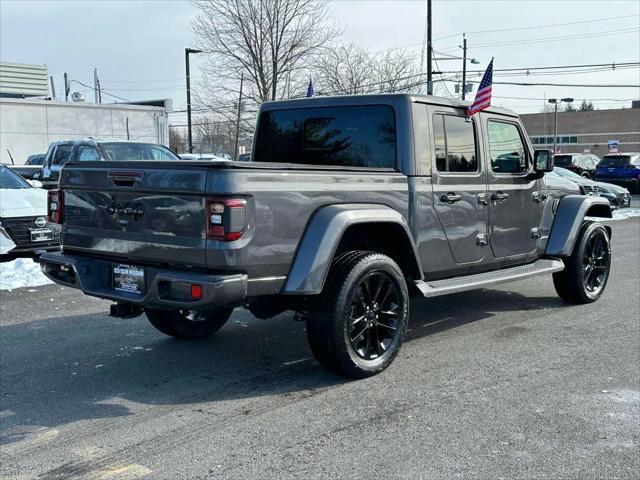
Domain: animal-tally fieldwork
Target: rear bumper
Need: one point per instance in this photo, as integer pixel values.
(162, 287)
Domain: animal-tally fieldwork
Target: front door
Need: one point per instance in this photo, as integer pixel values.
(459, 185)
(515, 203)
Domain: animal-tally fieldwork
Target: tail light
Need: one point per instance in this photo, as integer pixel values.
(55, 206)
(226, 218)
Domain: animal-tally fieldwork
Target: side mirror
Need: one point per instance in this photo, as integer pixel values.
(35, 183)
(543, 161)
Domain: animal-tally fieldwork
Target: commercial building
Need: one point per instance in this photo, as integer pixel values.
(586, 131)
(30, 120)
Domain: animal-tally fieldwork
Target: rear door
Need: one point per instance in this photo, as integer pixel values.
(459, 184)
(138, 210)
(516, 206)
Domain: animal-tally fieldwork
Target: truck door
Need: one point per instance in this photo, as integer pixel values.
(515, 202)
(459, 185)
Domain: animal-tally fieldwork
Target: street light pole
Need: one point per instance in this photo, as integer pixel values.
(429, 51)
(555, 119)
(187, 51)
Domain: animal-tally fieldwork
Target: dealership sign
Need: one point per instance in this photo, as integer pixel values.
(614, 146)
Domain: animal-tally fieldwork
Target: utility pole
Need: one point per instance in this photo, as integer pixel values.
(429, 51)
(235, 151)
(187, 51)
(464, 65)
(67, 89)
(95, 85)
(53, 87)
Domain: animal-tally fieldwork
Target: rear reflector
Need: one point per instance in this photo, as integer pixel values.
(196, 291)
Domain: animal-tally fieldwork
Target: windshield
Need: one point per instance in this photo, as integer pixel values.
(563, 160)
(563, 172)
(137, 151)
(11, 180)
(618, 161)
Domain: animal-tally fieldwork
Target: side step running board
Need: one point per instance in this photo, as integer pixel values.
(480, 280)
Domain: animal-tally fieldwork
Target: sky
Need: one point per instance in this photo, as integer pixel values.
(138, 46)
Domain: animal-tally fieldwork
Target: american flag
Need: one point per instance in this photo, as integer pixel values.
(310, 91)
(483, 96)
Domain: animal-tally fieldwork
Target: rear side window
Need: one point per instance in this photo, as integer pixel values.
(563, 161)
(87, 153)
(61, 155)
(507, 150)
(455, 144)
(346, 136)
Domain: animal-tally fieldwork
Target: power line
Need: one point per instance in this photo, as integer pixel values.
(595, 20)
(555, 39)
(94, 89)
(598, 20)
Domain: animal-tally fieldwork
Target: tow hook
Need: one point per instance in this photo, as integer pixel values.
(125, 310)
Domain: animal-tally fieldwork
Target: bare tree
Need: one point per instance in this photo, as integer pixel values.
(176, 140)
(350, 69)
(215, 134)
(271, 41)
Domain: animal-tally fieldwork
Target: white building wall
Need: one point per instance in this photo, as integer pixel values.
(28, 126)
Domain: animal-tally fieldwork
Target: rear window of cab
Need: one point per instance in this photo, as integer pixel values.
(353, 136)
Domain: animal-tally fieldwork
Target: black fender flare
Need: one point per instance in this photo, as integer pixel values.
(321, 239)
(569, 217)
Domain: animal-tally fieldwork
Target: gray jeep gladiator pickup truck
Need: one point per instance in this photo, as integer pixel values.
(348, 204)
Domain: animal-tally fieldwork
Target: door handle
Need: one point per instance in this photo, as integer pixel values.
(450, 197)
(499, 197)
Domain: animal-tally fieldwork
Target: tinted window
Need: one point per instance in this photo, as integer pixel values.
(87, 153)
(137, 151)
(61, 155)
(347, 136)
(508, 154)
(618, 161)
(563, 160)
(455, 144)
(11, 180)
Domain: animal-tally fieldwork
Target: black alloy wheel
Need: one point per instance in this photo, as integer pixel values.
(595, 263)
(586, 271)
(375, 311)
(356, 325)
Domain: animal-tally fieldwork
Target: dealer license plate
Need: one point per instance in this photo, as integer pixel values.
(41, 235)
(128, 278)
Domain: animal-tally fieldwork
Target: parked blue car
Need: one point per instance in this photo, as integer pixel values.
(622, 169)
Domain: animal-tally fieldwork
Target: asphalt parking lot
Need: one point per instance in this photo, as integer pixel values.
(507, 382)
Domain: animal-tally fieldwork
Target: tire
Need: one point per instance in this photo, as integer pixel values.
(586, 175)
(586, 271)
(188, 325)
(357, 324)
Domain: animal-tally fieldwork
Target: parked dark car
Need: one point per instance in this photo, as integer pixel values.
(36, 159)
(91, 149)
(347, 205)
(622, 169)
(618, 196)
(584, 164)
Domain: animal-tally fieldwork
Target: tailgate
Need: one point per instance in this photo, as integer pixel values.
(149, 213)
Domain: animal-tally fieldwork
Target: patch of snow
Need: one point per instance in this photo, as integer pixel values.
(620, 214)
(21, 272)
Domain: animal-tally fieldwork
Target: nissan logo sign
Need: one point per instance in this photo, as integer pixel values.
(40, 222)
